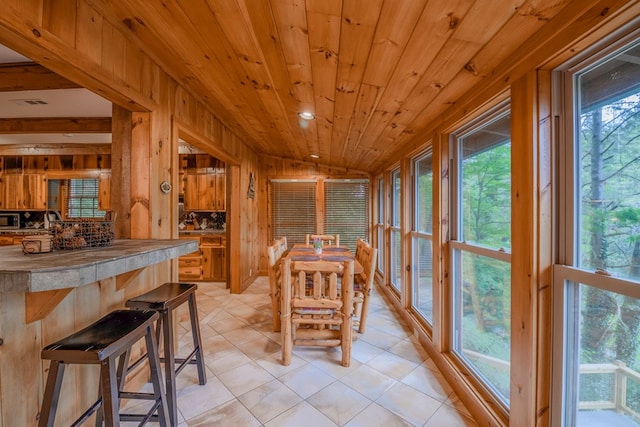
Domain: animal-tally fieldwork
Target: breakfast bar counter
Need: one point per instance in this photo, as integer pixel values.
(47, 296)
(20, 272)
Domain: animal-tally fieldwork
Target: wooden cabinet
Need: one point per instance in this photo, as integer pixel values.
(23, 191)
(35, 191)
(205, 192)
(214, 256)
(6, 240)
(190, 265)
(12, 186)
(208, 262)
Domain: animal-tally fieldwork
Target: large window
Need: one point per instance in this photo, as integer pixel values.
(380, 225)
(422, 250)
(296, 209)
(481, 250)
(346, 210)
(293, 209)
(396, 246)
(599, 281)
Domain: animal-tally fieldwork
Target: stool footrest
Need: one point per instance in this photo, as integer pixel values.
(136, 395)
(85, 416)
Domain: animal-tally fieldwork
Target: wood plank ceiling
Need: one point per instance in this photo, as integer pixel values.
(374, 72)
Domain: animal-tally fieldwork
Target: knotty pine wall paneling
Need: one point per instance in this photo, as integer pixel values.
(73, 40)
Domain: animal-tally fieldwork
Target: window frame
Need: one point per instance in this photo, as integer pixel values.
(395, 232)
(568, 276)
(458, 247)
(417, 235)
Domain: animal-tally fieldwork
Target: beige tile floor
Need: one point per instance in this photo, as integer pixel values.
(391, 380)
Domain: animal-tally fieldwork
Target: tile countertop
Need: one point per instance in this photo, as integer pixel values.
(206, 232)
(20, 272)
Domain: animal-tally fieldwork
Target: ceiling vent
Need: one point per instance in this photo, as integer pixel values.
(27, 102)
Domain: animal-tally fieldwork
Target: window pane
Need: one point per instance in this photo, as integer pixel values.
(423, 277)
(396, 266)
(396, 246)
(82, 199)
(608, 371)
(483, 318)
(293, 210)
(395, 190)
(486, 184)
(423, 196)
(380, 242)
(609, 166)
(347, 210)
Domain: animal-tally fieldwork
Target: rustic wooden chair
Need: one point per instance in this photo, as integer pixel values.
(274, 255)
(319, 314)
(282, 243)
(327, 239)
(363, 283)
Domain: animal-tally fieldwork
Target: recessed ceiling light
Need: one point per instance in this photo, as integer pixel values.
(314, 156)
(307, 115)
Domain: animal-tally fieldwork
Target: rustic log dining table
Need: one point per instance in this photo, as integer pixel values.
(302, 252)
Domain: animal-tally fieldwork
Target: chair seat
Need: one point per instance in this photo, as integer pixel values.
(165, 297)
(102, 338)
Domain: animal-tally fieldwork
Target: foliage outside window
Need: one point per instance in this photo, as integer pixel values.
(396, 247)
(422, 250)
(602, 279)
(481, 259)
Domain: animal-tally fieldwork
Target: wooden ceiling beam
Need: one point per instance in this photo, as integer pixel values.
(56, 125)
(31, 76)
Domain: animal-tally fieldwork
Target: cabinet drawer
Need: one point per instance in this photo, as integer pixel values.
(6, 240)
(194, 272)
(213, 241)
(189, 261)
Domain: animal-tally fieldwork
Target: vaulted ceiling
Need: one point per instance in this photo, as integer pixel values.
(375, 73)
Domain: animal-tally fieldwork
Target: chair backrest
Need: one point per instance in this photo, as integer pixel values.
(326, 239)
(359, 244)
(282, 242)
(275, 253)
(317, 287)
(367, 256)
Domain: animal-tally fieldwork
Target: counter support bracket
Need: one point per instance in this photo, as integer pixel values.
(38, 305)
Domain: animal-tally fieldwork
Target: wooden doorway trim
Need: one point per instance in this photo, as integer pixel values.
(184, 131)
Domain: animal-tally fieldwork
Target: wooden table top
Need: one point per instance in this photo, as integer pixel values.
(302, 252)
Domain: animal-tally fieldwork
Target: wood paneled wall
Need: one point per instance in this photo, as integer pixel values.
(72, 39)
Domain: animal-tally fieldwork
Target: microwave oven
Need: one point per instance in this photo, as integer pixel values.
(9, 221)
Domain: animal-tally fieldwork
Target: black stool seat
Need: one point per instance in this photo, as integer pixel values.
(164, 299)
(104, 342)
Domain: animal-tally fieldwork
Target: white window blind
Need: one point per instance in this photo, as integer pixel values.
(346, 210)
(82, 199)
(293, 209)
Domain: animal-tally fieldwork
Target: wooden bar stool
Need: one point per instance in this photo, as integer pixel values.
(164, 299)
(104, 343)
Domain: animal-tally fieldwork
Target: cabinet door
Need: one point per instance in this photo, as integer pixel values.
(191, 192)
(13, 191)
(207, 192)
(207, 263)
(221, 191)
(219, 264)
(34, 191)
